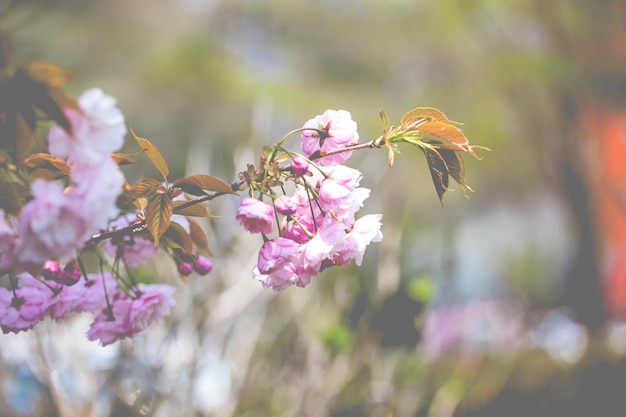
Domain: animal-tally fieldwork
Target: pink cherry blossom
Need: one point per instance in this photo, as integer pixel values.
(89, 294)
(275, 253)
(153, 302)
(112, 323)
(338, 186)
(48, 226)
(24, 308)
(255, 216)
(365, 230)
(278, 280)
(97, 130)
(331, 130)
(94, 194)
(286, 205)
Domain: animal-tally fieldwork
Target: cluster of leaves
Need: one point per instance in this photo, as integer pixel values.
(157, 201)
(31, 100)
(29, 95)
(442, 142)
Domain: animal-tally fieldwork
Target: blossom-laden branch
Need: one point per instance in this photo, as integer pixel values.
(66, 198)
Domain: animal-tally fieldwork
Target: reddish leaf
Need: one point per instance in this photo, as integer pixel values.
(158, 215)
(46, 161)
(48, 73)
(122, 159)
(447, 133)
(198, 236)
(153, 154)
(420, 114)
(144, 187)
(195, 184)
(195, 210)
(176, 233)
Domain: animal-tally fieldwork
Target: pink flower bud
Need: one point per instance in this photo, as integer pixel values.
(202, 265)
(185, 268)
(299, 165)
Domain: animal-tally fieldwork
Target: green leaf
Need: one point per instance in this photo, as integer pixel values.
(153, 154)
(196, 184)
(158, 215)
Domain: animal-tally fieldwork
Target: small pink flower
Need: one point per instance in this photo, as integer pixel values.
(279, 280)
(365, 230)
(153, 302)
(255, 216)
(338, 186)
(275, 253)
(48, 226)
(285, 205)
(112, 324)
(89, 294)
(23, 309)
(299, 165)
(331, 130)
(97, 131)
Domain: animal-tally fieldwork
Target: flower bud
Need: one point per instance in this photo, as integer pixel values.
(185, 268)
(202, 265)
(300, 166)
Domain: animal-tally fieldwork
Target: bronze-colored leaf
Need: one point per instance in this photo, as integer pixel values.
(144, 187)
(195, 184)
(122, 159)
(158, 215)
(48, 73)
(12, 196)
(195, 210)
(446, 133)
(456, 168)
(417, 115)
(48, 162)
(198, 236)
(37, 93)
(153, 154)
(177, 233)
(438, 172)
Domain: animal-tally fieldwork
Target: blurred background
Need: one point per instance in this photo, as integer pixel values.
(510, 304)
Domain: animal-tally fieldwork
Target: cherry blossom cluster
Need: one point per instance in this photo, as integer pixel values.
(319, 228)
(38, 246)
